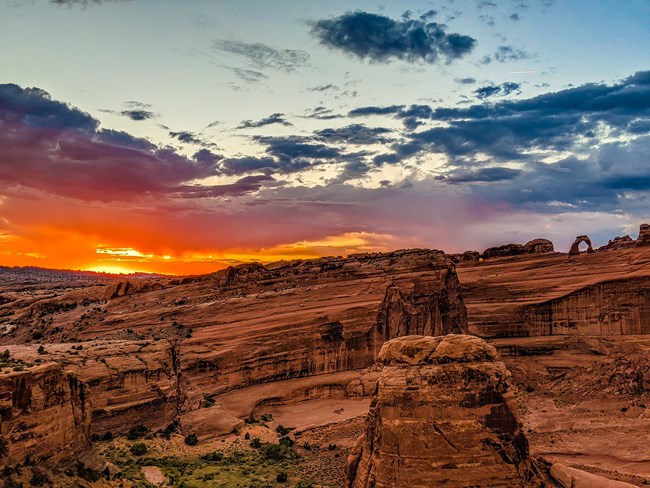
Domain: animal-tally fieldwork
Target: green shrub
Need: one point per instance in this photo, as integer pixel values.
(282, 430)
(138, 449)
(256, 443)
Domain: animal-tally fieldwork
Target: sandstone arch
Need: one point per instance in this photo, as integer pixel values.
(579, 239)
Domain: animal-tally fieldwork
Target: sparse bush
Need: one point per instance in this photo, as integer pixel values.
(281, 477)
(282, 430)
(37, 335)
(256, 443)
(215, 456)
(137, 432)
(331, 447)
(306, 446)
(191, 440)
(247, 435)
(41, 349)
(286, 441)
(139, 449)
(6, 355)
(108, 436)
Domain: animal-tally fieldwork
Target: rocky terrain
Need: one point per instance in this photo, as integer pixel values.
(94, 367)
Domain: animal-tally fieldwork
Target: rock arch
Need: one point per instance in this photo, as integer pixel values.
(574, 247)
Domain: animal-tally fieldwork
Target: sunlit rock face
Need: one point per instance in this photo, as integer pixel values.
(441, 415)
(44, 412)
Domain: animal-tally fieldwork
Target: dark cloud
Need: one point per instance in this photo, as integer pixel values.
(321, 113)
(185, 137)
(138, 115)
(264, 56)
(62, 151)
(296, 149)
(35, 108)
(365, 111)
(515, 17)
(323, 88)
(277, 118)
(465, 81)
(411, 116)
(504, 54)
(485, 175)
(354, 134)
(378, 38)
(501, 90)
(481, 4)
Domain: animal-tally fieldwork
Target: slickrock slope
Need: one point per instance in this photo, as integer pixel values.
(548, 294)
(442, 415)
(151, 351)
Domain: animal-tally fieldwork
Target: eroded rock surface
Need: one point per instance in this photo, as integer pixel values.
(152, 351)
(442, 415)
(44, 412)
(545, 294)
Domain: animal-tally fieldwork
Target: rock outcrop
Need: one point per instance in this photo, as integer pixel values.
(44, 413)
(539, 245)
(644, 235)
(575, 247)
(546, 294)
(531, 247)
(441, 415)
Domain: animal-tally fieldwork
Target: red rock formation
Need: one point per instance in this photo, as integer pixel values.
(644, 235)
(441, 415)
(531, 247)
(44, 413)
(239, 327)
(539, 245)
(575, 246)
(539, 294)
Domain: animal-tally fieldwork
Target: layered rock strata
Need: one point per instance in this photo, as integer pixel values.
(546, 294)
(44, 413)
(153, 352)
(441, 415)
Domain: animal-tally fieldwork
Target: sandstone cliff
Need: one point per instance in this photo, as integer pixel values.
(44, 413)
(442, 415)
(152, 352)
(547, 294)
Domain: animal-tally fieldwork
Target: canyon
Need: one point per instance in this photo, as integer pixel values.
(89, 358)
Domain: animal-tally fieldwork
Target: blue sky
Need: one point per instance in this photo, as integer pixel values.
(327, 127)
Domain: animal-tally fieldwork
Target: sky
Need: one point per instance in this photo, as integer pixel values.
(182, 137)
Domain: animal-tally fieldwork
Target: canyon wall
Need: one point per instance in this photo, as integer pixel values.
(610, 307)
(599, 293)
(44, 413)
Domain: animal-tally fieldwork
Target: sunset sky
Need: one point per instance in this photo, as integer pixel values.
(184, 136)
